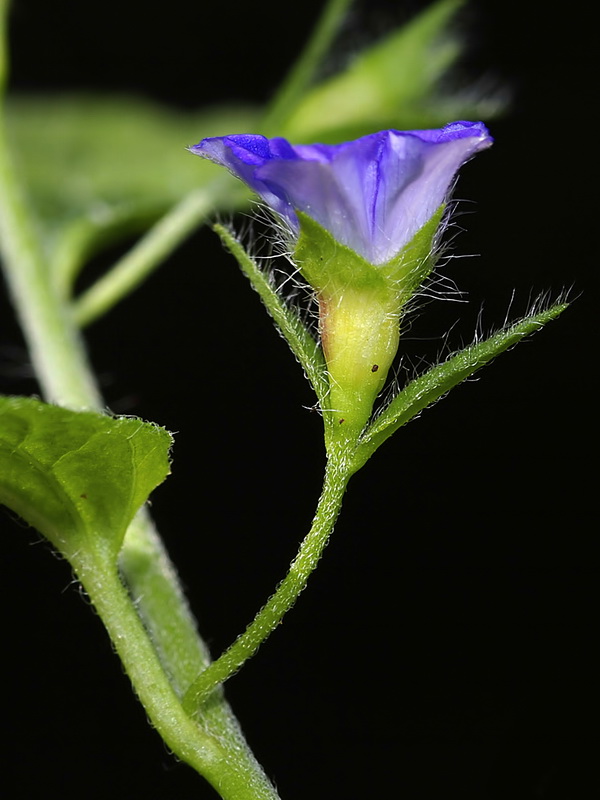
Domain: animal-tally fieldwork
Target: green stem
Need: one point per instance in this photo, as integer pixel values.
(337, 476)
(155, 591)
(230, 769)
(306, 65)
(152, 249)
(173, 651)
(55, 347)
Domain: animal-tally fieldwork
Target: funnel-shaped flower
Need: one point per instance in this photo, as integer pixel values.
(372, 194)
(365, 214)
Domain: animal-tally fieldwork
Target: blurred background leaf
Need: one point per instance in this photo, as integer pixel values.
(395, 83)
(97, 168)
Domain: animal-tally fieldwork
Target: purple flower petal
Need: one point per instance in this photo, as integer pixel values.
(372, 194)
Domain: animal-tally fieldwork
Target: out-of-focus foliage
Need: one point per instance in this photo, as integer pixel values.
(95, 168)
(395, 83)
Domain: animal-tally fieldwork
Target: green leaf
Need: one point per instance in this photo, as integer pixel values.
(99, 168)
(393, 84)
(428, 388)
(287, 319)
(78, 477)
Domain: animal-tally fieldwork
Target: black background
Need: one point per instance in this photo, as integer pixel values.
(444, 645)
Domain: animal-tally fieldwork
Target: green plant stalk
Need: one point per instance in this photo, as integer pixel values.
(163, 664)
(65, 378)
(151, 250)
(337, 475)
(55, 348)
(219, 754)
(229, 768)
(58, 354)
(161, 604)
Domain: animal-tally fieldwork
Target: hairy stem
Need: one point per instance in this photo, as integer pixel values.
(267, 619)
(154, 588)
(227, 765)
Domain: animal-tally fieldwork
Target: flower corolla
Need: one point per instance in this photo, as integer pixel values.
(372, 194)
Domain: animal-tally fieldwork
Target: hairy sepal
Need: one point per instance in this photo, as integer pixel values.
(360, 306)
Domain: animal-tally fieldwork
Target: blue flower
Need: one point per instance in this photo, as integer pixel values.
(372, 194)
(380, 196)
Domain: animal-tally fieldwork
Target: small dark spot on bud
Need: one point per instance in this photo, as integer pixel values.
(341, 420)
(375, 367)
(83, 496)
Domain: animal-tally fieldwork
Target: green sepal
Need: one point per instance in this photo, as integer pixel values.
(430, 387)
(360, 306)
(412, 266)
(329, 266)
(78, 477)
(287, 319)
(358, 324)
